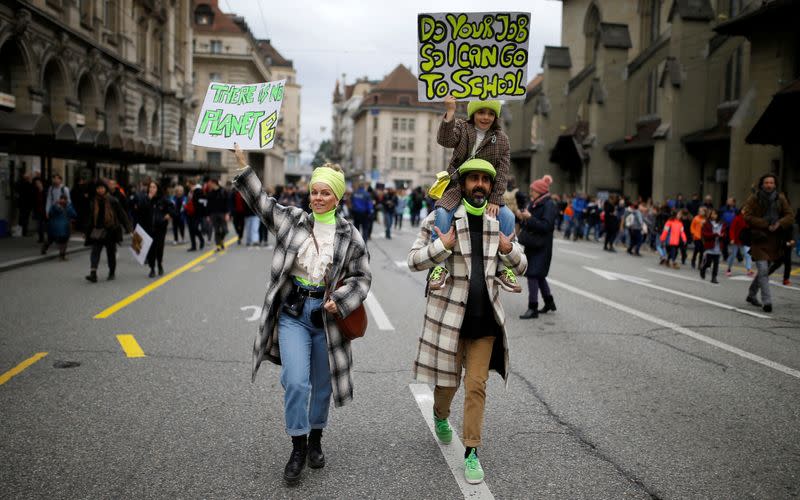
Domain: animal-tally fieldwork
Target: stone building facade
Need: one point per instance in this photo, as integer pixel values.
(394, 135)
(346, 103)
(645, 98)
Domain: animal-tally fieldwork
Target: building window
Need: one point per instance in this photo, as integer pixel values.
(591, 30)
(395, 123)
(203, 15)
(411, 144)
(374, 142)
(651, 21)
(374, 161)
(214, 77)
(733, 76)
(402, 163)
(142, 45)
(394, 143)
(214, 158)
(410, 163)
(411, 124)
(375, 123)
(110, 15)
(157, 53)
(216, 46)
(403, 124)
(649, 98)
(404, 100)
(394, 162)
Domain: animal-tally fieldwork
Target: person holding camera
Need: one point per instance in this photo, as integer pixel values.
(320, 269)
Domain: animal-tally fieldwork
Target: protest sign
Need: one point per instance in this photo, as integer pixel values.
(473, 56)
(140, 244)
(246, 114)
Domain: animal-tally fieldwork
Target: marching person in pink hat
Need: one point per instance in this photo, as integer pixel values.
(536, 235)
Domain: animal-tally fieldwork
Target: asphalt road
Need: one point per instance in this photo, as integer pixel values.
(634, 388)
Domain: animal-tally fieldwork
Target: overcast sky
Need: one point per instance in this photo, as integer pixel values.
(364, 38)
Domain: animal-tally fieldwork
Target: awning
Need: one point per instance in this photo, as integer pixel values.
(778, 124)
(568, 151)
(643, 139)
(769, 17)
(25, 124)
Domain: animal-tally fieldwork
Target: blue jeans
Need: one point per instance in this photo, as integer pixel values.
(444, 219)
(388, 221)
(251, 224)
(305, 374)
(734, 249)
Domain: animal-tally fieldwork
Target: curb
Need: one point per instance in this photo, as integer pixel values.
(29, 261)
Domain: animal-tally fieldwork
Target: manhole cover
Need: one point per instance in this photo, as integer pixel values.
(66, 364)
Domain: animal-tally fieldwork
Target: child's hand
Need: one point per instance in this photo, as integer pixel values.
(492, 210)
(450, 104)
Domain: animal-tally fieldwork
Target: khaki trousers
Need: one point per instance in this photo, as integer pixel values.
(474, 355)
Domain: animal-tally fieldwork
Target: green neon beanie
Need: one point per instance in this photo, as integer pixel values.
(473, 106)
(477, 164)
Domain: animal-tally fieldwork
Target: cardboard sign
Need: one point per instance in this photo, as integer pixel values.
(473, 56)
(246, 114)
(140, 244)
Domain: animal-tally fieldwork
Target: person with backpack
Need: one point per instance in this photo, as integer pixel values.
(58, 226)
(362, 208)
(56, 190)
(737, 249)
(634, 223)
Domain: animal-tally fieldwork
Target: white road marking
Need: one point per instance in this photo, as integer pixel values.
(378, 315)
(610, 275)
(679, 276)
(679, 329)
(256, 312)
(581, 254)
(453, 452)
(562, 240)
(401, 263)
(779, 285)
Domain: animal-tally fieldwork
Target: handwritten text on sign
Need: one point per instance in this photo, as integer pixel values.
(243, 113)
(473, 55)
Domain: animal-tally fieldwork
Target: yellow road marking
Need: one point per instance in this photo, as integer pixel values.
(130, 346)
(161, 281)
(21, 367)
(198, 268)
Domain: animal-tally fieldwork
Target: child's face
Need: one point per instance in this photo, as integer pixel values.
(484, 118)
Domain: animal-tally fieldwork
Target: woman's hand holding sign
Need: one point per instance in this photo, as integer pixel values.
(240, 158)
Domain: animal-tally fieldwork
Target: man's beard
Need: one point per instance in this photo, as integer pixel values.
(477, 198)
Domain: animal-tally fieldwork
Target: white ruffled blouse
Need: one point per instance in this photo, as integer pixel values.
(311, 265)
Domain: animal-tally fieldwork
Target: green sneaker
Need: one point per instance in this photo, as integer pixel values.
(443, 430)
(473, 472)
(438, 278)
(508, 280)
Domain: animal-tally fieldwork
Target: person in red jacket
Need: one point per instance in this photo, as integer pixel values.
(673, 236)
(736, 246)
(713, 234)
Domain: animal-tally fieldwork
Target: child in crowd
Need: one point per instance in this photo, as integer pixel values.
(713, 235)
(697, 236)
(672, 237)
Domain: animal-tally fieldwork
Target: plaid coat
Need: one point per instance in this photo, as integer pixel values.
(461, 136)
(445, 309)
(291, 226)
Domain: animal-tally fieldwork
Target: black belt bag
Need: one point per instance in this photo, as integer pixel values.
(293, 305)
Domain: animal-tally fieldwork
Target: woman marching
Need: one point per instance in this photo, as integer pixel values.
(154, 216)
(319, 270)
(107, 220)
(536, 234)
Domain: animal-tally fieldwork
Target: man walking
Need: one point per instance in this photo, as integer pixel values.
(464, 321)
(768, 214)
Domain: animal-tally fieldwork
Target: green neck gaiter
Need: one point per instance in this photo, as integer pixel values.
(328, 218)
(474, 210)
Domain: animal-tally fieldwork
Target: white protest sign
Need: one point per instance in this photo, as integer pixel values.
(140, 244)
(246, 114)
(472, 55)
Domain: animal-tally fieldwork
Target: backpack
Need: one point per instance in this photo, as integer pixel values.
(629, 219)
(189, 208)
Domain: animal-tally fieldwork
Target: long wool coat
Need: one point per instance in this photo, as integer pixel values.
(445, 309)
(461, 136)
(766, 244)
(291, 227)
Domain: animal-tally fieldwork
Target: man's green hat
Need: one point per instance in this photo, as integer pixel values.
(473, 106)
(477, 165)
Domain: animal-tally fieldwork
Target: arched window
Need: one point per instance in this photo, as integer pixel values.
(648, 99)
(154, 130)
(141, 123)
(591, 30)
(203, 15)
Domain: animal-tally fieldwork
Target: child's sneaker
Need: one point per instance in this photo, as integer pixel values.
(438, 278)
(473, 472)
(508, 280)
(751, 273)
(728, 273)
(787, 282)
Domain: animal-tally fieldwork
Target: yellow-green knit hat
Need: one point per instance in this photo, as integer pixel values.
(477, 165)
(473, 106)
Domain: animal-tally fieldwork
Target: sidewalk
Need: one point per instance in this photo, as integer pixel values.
(25, 251)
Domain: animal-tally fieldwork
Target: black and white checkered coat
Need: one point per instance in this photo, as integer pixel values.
(291, 227)
(445, 310)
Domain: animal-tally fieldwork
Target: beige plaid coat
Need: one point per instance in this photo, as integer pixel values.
(461, 136)
(444, 312)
